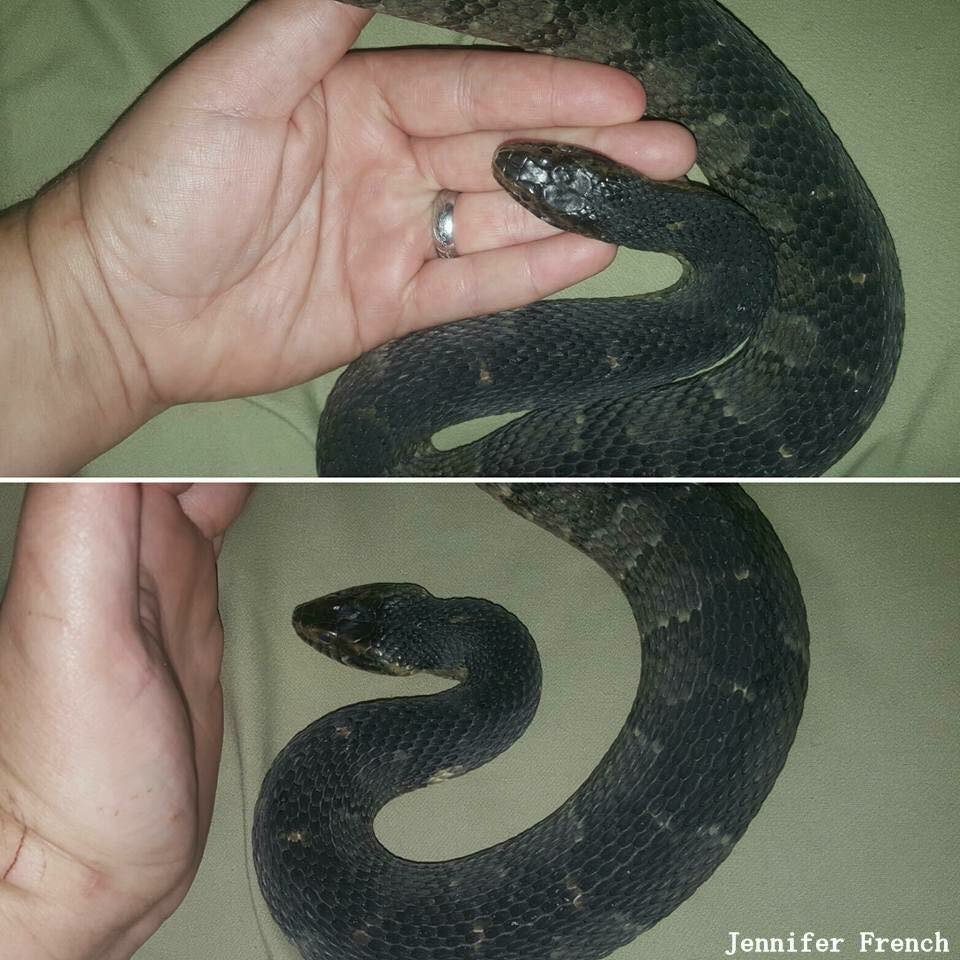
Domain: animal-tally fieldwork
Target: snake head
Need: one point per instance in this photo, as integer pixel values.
(563, 184)
(351, 626)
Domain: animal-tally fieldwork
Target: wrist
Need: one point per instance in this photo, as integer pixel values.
(75, 383)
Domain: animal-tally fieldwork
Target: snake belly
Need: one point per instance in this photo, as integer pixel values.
(790, 400)
(724, 646)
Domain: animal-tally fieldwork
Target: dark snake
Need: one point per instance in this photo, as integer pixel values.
(770, 356)
(724, 646)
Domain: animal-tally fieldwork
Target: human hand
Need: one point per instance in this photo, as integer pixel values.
(262, 216)
(111, 712)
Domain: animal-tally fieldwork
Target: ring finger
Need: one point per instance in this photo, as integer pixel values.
(488, 220)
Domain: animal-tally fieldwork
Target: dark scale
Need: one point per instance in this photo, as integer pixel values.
(723, 641)
(770, 157)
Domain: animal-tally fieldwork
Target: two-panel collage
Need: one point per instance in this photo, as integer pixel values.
(481, 480)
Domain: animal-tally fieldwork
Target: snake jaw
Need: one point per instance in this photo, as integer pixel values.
(365, 656)
(358, 652)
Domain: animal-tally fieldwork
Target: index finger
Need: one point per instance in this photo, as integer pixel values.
(436, 93)
(213, 507)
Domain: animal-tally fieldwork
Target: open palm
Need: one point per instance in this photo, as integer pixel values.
(111, 711)
(262, 215)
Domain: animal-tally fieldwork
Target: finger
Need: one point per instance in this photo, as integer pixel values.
(485, 221)
(75, 566)
(458, 91)
(270, 57)
(445, 290)
(656, 148)
(173, 487)
(213, 507)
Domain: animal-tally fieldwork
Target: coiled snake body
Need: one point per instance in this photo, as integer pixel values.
(722, 682)
(772, 354)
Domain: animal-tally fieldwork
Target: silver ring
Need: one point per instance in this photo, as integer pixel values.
(442, 229)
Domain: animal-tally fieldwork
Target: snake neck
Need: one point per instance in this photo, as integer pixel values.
(466, 639)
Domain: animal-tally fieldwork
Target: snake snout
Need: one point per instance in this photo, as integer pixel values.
(332, 621)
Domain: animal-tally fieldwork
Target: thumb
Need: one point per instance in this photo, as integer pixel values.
(75, 569)
(271, 56)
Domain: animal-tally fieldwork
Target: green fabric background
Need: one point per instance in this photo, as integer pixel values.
(882, 70)
(860, 831)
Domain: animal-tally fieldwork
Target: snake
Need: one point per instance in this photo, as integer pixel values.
(771, 354)
(724, 660)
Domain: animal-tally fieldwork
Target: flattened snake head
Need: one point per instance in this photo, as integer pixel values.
(566, 185)
(353, 626)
